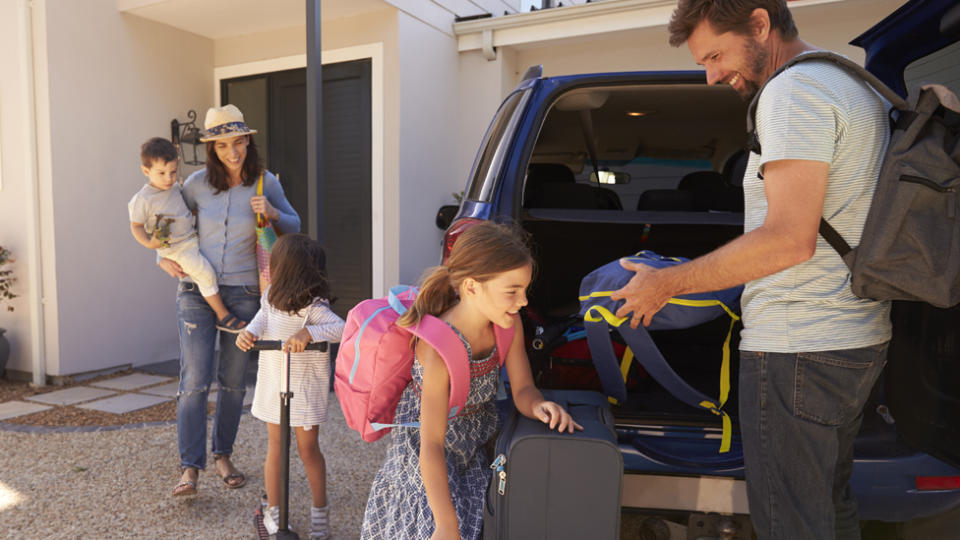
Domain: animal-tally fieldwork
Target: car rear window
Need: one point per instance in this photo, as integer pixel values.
(661, 148)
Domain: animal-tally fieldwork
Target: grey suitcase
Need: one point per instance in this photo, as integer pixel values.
(556, 486)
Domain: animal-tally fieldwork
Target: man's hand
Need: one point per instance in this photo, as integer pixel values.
(171, 267)
(645, 294)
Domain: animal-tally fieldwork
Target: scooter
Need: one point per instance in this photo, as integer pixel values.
(284, 531)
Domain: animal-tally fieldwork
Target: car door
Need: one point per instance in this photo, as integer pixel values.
(919, 43)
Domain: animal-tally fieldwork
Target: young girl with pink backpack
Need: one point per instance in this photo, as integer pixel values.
(436, 472)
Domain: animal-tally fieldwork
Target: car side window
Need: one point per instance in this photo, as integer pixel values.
(493, 147)
(940, 67)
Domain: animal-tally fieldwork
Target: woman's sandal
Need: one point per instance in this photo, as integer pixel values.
(187, 487)
(232, 480)
(231, 323)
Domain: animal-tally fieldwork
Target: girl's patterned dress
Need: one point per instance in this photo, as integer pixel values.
(397, 508)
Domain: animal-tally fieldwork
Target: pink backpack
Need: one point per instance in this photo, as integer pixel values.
(375, 357)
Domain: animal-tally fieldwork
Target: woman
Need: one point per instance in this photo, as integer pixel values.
(224, 197)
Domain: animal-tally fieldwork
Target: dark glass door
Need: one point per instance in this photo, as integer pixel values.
(275, 105)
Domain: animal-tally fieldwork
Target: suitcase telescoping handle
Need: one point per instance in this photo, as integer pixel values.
(276, 345)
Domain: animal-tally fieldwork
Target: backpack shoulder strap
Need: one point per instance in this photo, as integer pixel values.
(504, 337)
(445, 341)
(850, 66)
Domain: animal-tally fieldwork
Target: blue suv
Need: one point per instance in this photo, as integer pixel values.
(599, 166)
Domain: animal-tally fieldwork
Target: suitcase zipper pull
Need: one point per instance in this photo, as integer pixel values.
(497, 465)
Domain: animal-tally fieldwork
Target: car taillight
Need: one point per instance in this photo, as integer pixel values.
(454, 232)
(937, 483)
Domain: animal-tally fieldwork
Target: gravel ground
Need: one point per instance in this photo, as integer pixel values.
(117, 484)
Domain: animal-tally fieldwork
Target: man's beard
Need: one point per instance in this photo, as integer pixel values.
(756, 61)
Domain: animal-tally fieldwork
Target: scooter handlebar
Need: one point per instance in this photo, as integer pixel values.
(276, 345)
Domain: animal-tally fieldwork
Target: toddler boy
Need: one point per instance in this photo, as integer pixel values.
(160, 220)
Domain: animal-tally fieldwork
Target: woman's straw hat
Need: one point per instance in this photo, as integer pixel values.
(224, 122)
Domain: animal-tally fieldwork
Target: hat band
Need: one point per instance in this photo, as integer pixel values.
(229, 127)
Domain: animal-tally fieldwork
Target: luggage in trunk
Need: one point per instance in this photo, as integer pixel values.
(549, 485)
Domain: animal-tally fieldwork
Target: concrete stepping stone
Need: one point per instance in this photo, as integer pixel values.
(11, 409)
(70, 396)
(169, 390)
(124, 403)
(131, 382)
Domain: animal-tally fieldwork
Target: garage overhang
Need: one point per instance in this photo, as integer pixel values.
(580, 20)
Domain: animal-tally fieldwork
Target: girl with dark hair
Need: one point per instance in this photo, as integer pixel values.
(295, 309)
(434, 477)
(224, 197)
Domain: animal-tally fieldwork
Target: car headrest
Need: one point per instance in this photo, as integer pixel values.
(701, 181)
(551, 173)
(564, 196)
(666, 199)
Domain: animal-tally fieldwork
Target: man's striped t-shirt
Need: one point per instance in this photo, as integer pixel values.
(817, 111)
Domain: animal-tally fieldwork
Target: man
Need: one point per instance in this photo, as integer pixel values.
(810, 350)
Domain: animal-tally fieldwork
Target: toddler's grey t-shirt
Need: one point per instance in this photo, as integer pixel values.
(150, 202)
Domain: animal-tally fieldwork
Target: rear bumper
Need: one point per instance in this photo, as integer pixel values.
(687, 493)
(687, 473)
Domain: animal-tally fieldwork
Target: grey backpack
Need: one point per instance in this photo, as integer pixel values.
(910, 247)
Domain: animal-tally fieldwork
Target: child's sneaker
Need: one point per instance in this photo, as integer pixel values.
(271, 520)
(320, 522)
(258, 522)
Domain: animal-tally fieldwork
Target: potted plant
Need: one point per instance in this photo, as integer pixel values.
(6, 296)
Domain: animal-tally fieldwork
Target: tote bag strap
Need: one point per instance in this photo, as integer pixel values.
(262, 220)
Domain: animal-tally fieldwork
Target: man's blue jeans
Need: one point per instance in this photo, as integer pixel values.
(799, 414)
(198, 335)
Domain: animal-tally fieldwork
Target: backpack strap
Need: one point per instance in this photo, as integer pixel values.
(504, 339)
(448, 345)
(849, 65)
(442, 338)
(446, 342)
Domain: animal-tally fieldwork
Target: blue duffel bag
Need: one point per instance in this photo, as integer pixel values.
(599, 316)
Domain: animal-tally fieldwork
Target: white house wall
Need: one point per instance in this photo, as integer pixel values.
(106, 96)
(260, 46)
(429, 110)
(15, 190)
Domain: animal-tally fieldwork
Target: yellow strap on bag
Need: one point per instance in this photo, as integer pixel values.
(599, 313)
